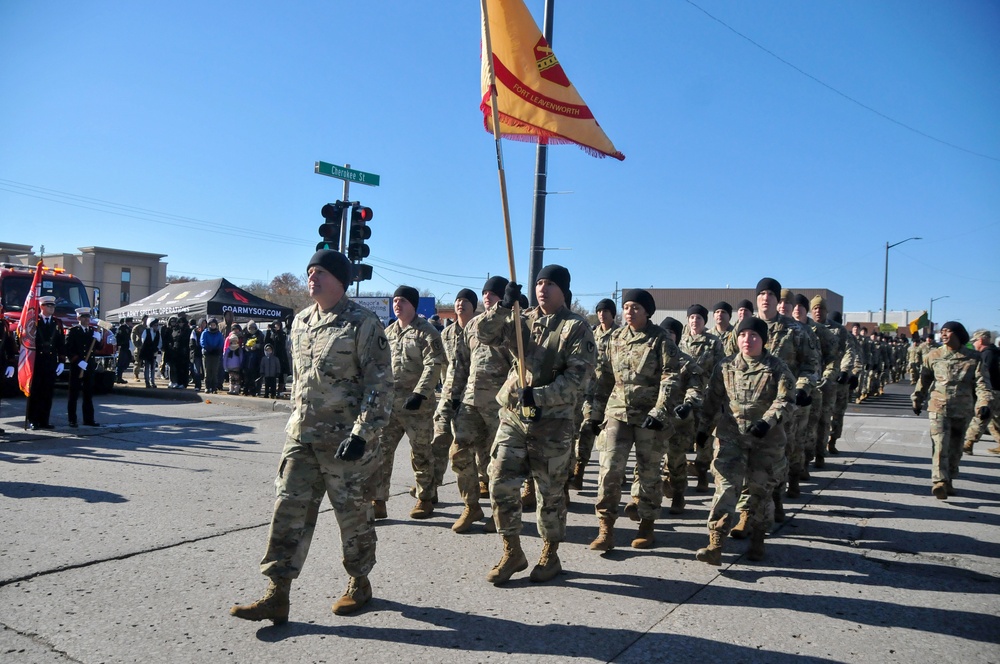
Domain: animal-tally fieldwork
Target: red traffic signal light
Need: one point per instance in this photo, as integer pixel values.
(363, 214)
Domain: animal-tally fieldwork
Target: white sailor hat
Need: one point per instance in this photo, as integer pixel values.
(83, 311)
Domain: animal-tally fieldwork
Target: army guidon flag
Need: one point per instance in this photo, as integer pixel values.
(535, 100)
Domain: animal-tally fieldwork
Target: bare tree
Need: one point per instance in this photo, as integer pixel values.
(180, 279)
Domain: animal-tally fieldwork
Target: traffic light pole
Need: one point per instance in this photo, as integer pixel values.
(343, 216)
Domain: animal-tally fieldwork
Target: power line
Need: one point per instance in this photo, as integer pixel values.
(833, 89)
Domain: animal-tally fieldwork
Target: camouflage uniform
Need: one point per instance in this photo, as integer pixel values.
(706, 351)
(727, 339)
(960, 388)
(990, 358)
(343, 386)
(851, 363)
(585, 438)
(821, 408)
(638, 376)
(479, 371)
(444, 415)
(417, 356)
(690, 386)
(559, 353)
(741, 391)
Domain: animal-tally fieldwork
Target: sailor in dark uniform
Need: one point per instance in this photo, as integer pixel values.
(81, 341)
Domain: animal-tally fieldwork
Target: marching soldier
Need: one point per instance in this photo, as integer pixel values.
(591, 426)
(836, 381)
(341, 398)
(80, 344)
(805, 444)
(535, 438)
(706, 351)
(723, 330)
(990, 356)
(50, 343)
(854, 365)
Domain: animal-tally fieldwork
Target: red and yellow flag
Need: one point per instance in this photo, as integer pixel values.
(26, 329)
(535, 100)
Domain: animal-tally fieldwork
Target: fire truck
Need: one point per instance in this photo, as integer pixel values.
(70, 294)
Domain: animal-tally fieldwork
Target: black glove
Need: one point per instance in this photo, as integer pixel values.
(595, 427)
(852, 383)
(759, 429)
(652, 424)
(456, 404)
(511, 294)
(528, 401)
(352, 449)
(683, 410)
(842, 378)
(917, 409)
(984, 413)
(802, 398)
(700, 439)
(413, 401)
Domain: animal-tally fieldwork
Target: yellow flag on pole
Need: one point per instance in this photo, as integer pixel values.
(535, 100)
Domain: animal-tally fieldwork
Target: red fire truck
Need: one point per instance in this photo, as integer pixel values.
(70, 294)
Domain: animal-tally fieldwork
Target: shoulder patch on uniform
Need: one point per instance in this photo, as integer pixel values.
(382, 343)
(591, 347)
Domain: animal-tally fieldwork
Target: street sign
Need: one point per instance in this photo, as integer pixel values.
(348, 174)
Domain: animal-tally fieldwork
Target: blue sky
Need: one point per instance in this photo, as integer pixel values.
(191, 129)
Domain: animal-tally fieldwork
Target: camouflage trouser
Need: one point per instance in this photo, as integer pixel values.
(841, 394)
(795, 435)
(816, 413)
(831, 390)
(914, 373)
(305, 473)
(584, 443)
(441, 441)
(541, 451)
(947, 435)
(615, 445)
(419, 428)
(475, 430)
(674, 468)
(872, 386)
(750, 461)
(978, 427)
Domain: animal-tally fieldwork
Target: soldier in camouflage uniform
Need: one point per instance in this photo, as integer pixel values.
(744, 309)
(535, 438)
(637, 379)
(417, 356)
(956, 375)
(805, 444)
(990, 358)
(341, 398)
(591, 426)
(914, 359)
(706, 350)
(723, 330)
(836, 376)
(854, 364)
(748, 399)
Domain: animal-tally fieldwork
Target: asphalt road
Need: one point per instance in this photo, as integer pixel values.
(130, 542)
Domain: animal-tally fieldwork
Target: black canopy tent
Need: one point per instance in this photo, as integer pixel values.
(202, 299)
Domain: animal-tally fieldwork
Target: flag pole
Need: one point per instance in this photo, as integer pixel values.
(503, 194)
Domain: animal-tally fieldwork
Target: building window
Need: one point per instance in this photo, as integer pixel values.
(126, 283)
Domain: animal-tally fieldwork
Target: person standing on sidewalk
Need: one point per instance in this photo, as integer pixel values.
(956, 375)
(341, 395)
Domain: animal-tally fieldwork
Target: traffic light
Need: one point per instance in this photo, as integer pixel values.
(333, 213)
(362, 272)
(359, 232)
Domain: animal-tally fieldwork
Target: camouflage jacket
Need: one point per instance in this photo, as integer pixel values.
(726, 338)
(691, 382)
(845, 348)
(602, 338)
(639, 375)
(481, 369)
(788, 341)
(830, 352)
(705, 349)
(453, 380)
(743, 390)
(913, 357)
(343, 375)
(559, 355)
(958, 387)
(417, 356)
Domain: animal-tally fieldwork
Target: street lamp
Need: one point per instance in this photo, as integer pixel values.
(885, 286)
(930, 312)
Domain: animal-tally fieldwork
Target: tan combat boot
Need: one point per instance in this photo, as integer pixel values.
(358, 592)
(711, 554)
(380, 509)
(831, 446)
(702, 486)
(677, 503)
(424, 509)
(576, 479)
(528, 499)
(756, 550)
(632, 509)
(740, 531)
(548, 564)
(645, 538)
(484, 490)
(940, 490)
(605, 540)
(967, 448)
(272, 606)
(513, 560)
(470, 515)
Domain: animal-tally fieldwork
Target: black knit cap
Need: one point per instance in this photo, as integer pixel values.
(333, 262)
(802, 300)
(836, 317)
(674, 326)
(469, 295)
(410, 293)
(725, 306)
(959, 329)
(606, 305)
(755, 324)
(769, 284)
(558, 275)
(495, 285)
(640, 296)
(745, 304)
(698, 309)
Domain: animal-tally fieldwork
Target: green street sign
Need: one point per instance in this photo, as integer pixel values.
(348, 174)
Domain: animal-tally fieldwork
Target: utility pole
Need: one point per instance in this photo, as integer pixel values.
(536, 254)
